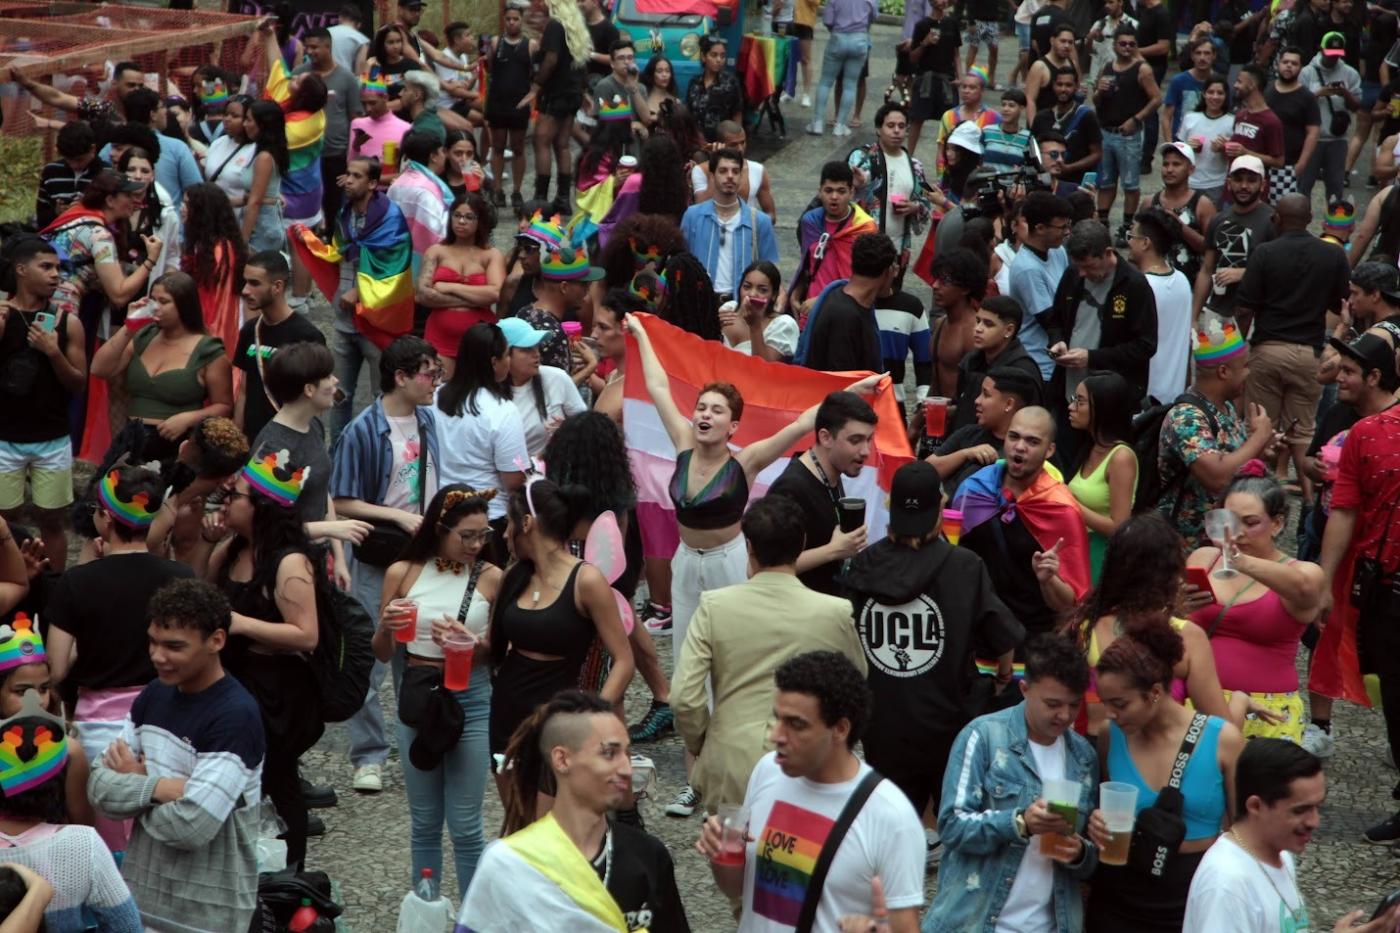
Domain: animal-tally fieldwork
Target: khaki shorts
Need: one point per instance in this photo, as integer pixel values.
(1283, 381)
(48, 465)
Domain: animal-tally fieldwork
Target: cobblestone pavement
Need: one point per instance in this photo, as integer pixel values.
(366, 844)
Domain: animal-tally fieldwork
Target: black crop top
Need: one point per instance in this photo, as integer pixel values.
(720, 504)
(556, 629)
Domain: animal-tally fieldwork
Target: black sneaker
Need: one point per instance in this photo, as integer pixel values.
(656, 618)
(317, 796)
(1383, 834)
(658, 721)
(1371, 182)
(315, 826)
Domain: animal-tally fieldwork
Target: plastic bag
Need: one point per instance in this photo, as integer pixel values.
(419, 916)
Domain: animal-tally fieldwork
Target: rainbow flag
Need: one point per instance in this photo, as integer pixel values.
(785, 855)
(768, 65)
(775, 394)
(306, 138)
(383, 256)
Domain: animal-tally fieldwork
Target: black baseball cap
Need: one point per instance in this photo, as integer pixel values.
(916, 496)
(1370, 352)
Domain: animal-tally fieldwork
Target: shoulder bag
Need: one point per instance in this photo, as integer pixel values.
(386, 540)
(1160, 829)
(806, 917)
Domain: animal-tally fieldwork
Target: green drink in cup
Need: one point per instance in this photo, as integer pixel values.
(1062, 799)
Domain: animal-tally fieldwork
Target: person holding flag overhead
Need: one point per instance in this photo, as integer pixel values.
(1022, 520)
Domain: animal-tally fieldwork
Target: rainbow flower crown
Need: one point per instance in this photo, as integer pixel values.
(271, 474)
(20, 644)
(372, 83)
(649, 287)
(33, 747)
(214, 94)
(1217, 343)
(616, 110)
(137, 513)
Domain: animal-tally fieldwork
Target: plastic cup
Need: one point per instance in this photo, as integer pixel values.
(851, 512)
(935, 415)
(1118, 804)
(952, 525)
(573, 330)
(471, 181)
(408, 608)
(734, 826)
(457, 651)
(1062, 799)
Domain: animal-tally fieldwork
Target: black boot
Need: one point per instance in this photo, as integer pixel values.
(541, 187)
(562, 204)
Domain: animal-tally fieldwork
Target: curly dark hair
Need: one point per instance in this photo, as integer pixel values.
(1146, 654)
(1059, 658)
(675, 120)
(619, 259)
(192, 604)
(588, 449)
(310, 95)
(1141, 575)
(485, 219)
(214, 247)
(841, 691)
(423, 546)
(220, 445)
(964, 269)
(689, 302)
(665, 189)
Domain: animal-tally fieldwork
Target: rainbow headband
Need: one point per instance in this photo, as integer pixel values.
(564, 265)
(372, 83)
(214, 93)
(138, 513)
(549, 234)
(641, 258)
(977, 71)
(20, 644)
(1217, 344)
(1340, 216)
(618, 110)
(33, 747)
(270, 475)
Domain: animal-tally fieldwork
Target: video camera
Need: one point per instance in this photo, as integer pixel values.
(994, 189)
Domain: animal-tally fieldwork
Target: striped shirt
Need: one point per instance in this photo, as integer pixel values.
(1002, 148)
(60, 185)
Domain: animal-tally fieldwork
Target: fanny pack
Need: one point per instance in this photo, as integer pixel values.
(386, 540)
(425, 705)
(1160, 829)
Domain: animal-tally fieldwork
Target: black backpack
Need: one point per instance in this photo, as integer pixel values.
(343, 657)
(1147, 435)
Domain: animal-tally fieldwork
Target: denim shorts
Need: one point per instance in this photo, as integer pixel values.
(1122, 159)
(1023, 36)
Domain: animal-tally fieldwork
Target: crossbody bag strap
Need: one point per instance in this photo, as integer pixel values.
(423, 472)
(262, 363)
(807, 915)
(224, 164)
(477, 567)
(1188, 748)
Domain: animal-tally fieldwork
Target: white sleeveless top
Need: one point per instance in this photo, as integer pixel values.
(439, 593)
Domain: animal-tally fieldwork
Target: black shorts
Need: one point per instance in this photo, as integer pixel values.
(915, 767)
(903, 64)
(560, 106)
(800, 31)
(509, 120)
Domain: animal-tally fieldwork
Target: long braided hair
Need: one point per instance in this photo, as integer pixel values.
(529, 772)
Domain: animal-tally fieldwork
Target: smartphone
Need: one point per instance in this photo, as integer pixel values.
(1200, 579)
(1091, 180)
(1389, 901)
(45, 320)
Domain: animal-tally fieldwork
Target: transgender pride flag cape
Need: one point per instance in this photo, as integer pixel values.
(775, 394)
(306, 137)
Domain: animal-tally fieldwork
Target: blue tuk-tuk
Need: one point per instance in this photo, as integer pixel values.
(674, 28)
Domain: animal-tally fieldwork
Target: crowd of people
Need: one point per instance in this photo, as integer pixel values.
(1143, 462)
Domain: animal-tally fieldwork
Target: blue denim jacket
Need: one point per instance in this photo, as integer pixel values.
(990, 776)
(753, 239)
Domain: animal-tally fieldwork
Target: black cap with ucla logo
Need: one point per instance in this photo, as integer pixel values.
(916, 496)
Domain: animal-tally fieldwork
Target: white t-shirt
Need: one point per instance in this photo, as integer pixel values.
(561, 399)
(226, 165)
(899, 179)
(446, 100)
(724, 267)
(476, 449)
(346, 42)
(1210, 170)
(408, 460)
(1232, 890)
(790, 818)
(1029, 906)
(1026, 11)
(1167, 372)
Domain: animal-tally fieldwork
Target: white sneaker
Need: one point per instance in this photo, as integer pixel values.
(507, 154)
(1318, 742)
(934, 849)
(369, 779)
(816, 128)
(841, 129)
(807, 100)
(684, 803)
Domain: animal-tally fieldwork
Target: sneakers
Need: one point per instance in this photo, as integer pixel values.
(1382, 834)
(658, 721)
(934, 849)
(807, 101)
(841, 129)
(1317, 741)
(1120, 239)
(687, 800)
(815, 128)
(369, 779)
(498, 198)
(656, 618)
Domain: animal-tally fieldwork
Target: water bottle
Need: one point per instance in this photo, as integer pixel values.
(427, 888)
(305, 917)
(423, 910)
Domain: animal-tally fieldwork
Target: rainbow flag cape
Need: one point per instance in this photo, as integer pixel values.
(767, 65)
(382, 253)
(775, 394)
(306, 138)
(829, 259)
(1047, 510)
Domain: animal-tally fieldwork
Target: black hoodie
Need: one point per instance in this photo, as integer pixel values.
(923, 618)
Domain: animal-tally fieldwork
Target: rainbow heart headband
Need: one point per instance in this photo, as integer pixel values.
(20, 644)
(618, 110)
(1340, 215)
(138, 513)
(1217, 344)
(214, 93)
(270, 475)
(564, 264)
(649, 287)
(33, 747)
(641, 258)
(372, 83)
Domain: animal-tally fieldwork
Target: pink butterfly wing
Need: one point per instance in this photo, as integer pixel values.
(604, 548)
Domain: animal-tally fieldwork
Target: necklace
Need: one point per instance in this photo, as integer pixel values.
(605, 857)
(1300, 915)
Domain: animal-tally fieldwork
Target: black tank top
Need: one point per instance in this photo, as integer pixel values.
(1125, 99)
(510, 75)
(524, 294)
(1046, 98)
(556, 629)
(33, 403)
(1388, 243)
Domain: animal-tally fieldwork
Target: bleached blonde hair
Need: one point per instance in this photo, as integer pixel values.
(576, 35)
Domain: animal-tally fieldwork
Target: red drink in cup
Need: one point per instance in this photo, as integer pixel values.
(471, 181)
(407, 608)
(734, 824)
(935, 415)
(457, 651)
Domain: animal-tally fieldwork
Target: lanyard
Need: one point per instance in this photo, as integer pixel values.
(833, 491)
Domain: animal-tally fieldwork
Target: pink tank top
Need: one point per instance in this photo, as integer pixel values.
(1254, 643)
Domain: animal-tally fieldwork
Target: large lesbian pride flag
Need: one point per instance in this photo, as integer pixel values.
(775, 394)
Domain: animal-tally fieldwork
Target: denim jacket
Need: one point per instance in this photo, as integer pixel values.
(990, 776)
(753, 240)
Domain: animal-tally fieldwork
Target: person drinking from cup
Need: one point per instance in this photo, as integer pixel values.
(1182, 764)
(993, 866)
(434, 611)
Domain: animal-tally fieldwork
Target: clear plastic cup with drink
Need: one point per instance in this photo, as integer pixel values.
(1118, 805)
(405, 608)
(733, 834)
(935, 415)
(1061, 799)
(457, 651)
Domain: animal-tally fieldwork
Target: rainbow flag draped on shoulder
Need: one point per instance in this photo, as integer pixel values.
(382, 254)
(306, 138)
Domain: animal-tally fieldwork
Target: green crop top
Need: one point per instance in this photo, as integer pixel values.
(173, 391)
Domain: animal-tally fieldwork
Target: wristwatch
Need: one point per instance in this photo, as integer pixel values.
(1020, 819)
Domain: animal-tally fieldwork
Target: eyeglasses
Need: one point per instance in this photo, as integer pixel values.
(1053, 155)
(1078, 402)
(434, 374)
(1137, 236)
(464, 218)
(469, 538)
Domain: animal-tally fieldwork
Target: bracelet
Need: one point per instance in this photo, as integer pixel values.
(148, 264)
